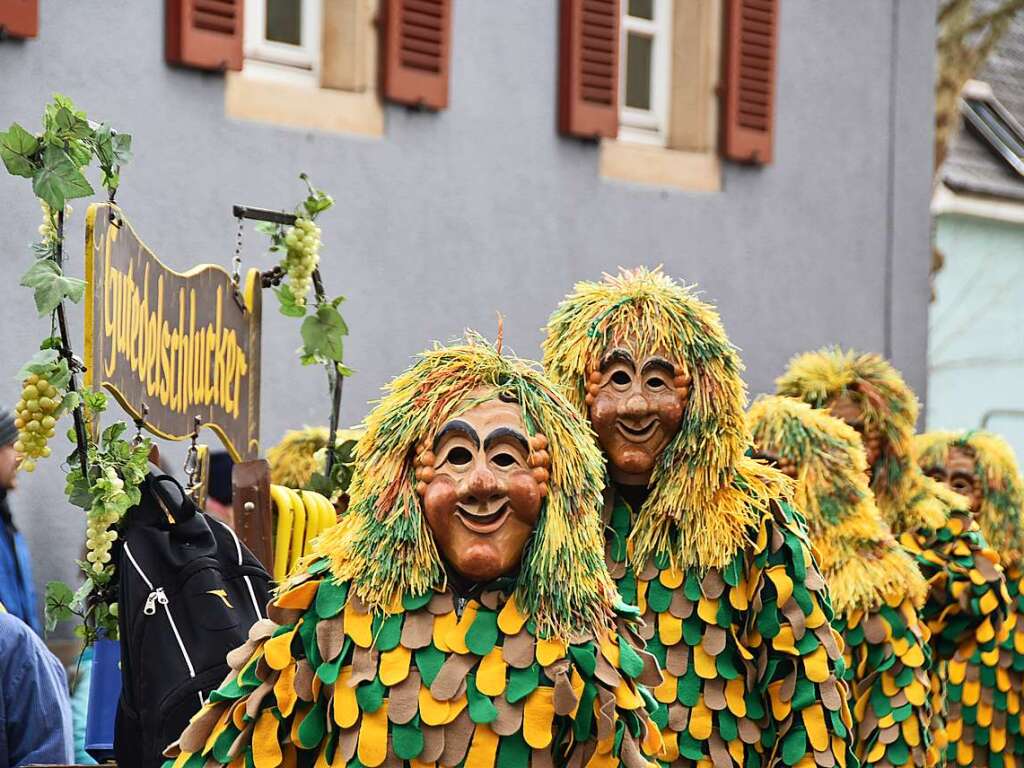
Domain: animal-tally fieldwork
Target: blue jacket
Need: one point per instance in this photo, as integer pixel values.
(17, 592)
(35, 714)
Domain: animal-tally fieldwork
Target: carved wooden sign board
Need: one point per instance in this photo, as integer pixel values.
(186, 344)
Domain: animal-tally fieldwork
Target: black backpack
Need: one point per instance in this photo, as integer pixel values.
(188, 593)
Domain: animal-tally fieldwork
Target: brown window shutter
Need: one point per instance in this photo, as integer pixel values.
(205, 34)
(19, 18)
(417, 46)
(749, 87)
(588, 88)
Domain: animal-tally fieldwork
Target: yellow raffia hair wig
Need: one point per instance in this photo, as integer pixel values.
(300, 453)
(384, 545)
(1001, 516)
(706, 494)
(860, 558)
(907, 498)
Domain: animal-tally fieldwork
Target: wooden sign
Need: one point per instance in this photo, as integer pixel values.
(186, 345)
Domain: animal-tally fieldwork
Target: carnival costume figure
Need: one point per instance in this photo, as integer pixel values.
(875, 586)
(701, 536)
(985, 687)
(460, 614)
(966, 592)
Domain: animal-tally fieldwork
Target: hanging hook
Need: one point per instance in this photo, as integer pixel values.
(140, 422)
(191, 466)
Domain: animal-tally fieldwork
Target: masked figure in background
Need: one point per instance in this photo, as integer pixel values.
(875, 586)
(700, 535)
(302, 453)
(985, 687)
(461, 612)
(967, 595)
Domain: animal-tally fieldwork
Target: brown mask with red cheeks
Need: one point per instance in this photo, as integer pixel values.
(959, 475)
(636, 407)
(482, 489)
(846, 408)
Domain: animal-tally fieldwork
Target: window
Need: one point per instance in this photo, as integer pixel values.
(284, 32)
(645, 65)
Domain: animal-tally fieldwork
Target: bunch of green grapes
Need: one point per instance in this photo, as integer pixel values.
(98, 534)
(303, 243)
(36, 419)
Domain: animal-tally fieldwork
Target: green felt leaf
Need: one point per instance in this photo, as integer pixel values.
(726, 665)
(689, 747)
(804, 694)
(584, 657)
(312, 727)
(370, 695)
(481, 708)
(414, 603)
(483, 633)
(17, 148)
(627, 586)
(329, 670)
(222, 746)
(629, 660)
(390, 632)
(428, 661)
(407, 739)
(319, 566)
(522, 682)
(659, 597)
(688, 688)
(691, 587)
(330, 597)
(794, 746)
(513, 751)
(307, 632)
(228, 692)
(584, 721)
(768, 620)
(693, 629)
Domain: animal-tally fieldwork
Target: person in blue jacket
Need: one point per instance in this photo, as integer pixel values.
(35, 715)
(17, 593)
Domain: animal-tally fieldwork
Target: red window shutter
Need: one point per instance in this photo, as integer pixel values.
(205, 34)
(417, 45)
(19, 18)
(588, 98)
(749, 85)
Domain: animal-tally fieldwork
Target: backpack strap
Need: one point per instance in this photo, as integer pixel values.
(172, 499)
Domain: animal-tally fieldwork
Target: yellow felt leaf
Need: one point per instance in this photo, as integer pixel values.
(954, 730)
(784, 642)
(238, 714)
(394, 665)
(889, 687)
(997, 740)
(510, 620)
(576, 681)
(671, 578)
(670, 747)
(985, 632)
(913, 657)
(490, 675)
(358, 626)
(666, 692)
(284, 690)
(538, 714)
(971, 692)
(734, 697)
(181, 759)
(483, 750)
(457, 635)
(783, 584)
(641, 595)
(964, 752)
(876, 753)
(707, 609)
(780, 708)
(652, 744)
(278, 650)
(839, 750)
(816, 664)
(610, 649)
(627, 697)
(670, 629)
(1002, 680)
(704, 664)
(988, 603)
(444, 626)
(916, 693)
(218, 728)
(346, 709)
(817, 617)
(956, 671)
(373, 737)
(266, 749)
(984, 714)
(814, 721)
(911, 732)
(549, 651)
(455, 706)
(738, 598)
(300, 597)
(700, 721)
(432, 711)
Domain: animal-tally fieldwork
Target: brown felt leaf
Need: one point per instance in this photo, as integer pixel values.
(433, 743)
(648, 626)
(795, 615)
(750, 732)
(262, 629)
(194, 737)
(651, 675)
(677, 659)
(283, 616)
(417, 630)
(830, 695)
(714, 640)
(452, 675)
(392, 760)
(441, 603)
(714, 694)
(720, 756)
(492, 599)
(713, 585)
(304, 680)
(827, 759)
(364, 665)
(347, 742)
(874, 629)
(814, 580)
(606, 673)
(649, 571)
(242, 740)
(680, 606)
(564, 697)
(678, 717)
(457, 735)
(252, 704)
(518, 650)
(510, 716)
(239, 656)
(330, 637)
(404, 698)
(630, 753)
(606, 714)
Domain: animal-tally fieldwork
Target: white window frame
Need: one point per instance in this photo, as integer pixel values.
(305, 56)
(640, 125)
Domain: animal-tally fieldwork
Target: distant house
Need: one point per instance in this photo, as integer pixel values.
(976, 324)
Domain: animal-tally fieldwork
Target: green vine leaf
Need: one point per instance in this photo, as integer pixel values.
(287, 304)
(59, 598)
(59, 179)
(18, 148)
(323, 335)
(51, 286)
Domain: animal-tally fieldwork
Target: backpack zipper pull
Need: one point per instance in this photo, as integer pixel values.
(156, 596)
(460, 606)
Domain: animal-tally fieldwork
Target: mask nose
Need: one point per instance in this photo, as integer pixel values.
(635, 406)
(481, 486)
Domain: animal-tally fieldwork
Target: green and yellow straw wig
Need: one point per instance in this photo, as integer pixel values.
(384, 545)
(706, 495)
(859, 557)
(907, 498)
(1002, 489)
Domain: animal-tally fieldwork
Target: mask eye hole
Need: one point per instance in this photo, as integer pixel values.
(504, 459)
(459, 456)
(656, 382)
(621, 378)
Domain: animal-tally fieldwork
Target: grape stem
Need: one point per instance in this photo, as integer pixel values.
(337, 382)
(73, 364)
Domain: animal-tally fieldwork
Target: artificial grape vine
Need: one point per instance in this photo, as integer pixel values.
(302, 241)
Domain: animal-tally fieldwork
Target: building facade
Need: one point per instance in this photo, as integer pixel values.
(446, 217)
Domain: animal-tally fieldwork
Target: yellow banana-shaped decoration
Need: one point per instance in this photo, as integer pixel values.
(282, 531)
(298, 529)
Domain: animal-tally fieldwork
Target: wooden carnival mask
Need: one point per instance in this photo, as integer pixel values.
(636, 405)
(482, 489)
(849, 410)
(960, 475)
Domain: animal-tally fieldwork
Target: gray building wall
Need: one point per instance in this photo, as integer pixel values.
(451, 217)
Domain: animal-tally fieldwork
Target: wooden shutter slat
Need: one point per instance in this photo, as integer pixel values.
(19, 18)
(748, 91)
(204, 34)
(588, 82)
(417, 43)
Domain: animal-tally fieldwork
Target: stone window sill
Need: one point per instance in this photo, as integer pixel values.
(260, 94)
(660, 166)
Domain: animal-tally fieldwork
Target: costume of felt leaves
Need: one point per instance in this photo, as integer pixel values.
(876, 587)
(735, 608)
(368, 659)
(966, 586)
(985, 686)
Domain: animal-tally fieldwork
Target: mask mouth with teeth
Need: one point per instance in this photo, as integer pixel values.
(483, 481)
